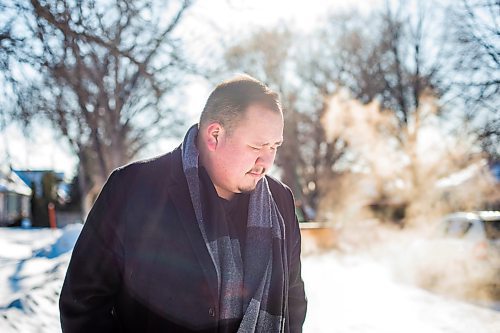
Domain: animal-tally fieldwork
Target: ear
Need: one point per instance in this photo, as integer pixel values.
(213, 134)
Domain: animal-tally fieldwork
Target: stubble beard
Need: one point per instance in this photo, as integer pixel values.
(248, 188)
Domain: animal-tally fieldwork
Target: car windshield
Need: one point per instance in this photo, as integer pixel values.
(457, 228)
(493, 229)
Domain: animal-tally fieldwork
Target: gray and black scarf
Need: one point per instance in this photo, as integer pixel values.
(252, 286)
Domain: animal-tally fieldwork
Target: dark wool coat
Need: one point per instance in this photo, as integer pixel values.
(141, 264)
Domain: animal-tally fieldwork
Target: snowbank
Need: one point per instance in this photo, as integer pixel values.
(33, 264)
(63, 244)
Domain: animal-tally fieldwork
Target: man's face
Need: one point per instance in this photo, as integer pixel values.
(243, 156)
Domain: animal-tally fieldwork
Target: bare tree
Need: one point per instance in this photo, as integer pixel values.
(386, 56)
(101, 72)
(475, 55)
(390, 56)
(320, 65)
(379, 57)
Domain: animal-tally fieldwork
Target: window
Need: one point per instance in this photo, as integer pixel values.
(492, 229)
(457, 227)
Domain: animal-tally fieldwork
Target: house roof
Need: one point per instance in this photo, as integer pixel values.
(11, 183)
(30, 177)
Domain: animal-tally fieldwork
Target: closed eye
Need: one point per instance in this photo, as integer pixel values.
(275, 147)
(258, 148)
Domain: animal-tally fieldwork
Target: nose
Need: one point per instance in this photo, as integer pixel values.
(266, 158)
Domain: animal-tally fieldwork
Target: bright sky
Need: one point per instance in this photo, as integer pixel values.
(46, 151)
(43, 151)
(304, 14)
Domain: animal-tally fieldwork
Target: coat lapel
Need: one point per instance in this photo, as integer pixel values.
(179, 194)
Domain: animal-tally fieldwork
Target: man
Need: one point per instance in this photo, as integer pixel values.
(199, 239)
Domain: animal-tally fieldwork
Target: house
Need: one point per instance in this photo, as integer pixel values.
(14, 198)
(33, 178)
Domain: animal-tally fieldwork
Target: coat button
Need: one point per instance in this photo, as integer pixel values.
(211, 312)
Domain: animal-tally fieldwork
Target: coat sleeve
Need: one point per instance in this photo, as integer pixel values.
(297, 302)
(95, 269)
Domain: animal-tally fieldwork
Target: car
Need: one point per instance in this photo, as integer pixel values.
(476, 232)
(463, 259)
(459, 258)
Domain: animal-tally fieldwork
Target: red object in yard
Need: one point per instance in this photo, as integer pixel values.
(481, 250)
(52, 215)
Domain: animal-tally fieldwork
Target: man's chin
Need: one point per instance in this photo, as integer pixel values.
(247, 189)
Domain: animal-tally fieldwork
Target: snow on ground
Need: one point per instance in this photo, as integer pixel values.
(356, 294)
(32, 267)
(347, 293)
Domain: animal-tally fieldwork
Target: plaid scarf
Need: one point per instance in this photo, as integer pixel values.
(252, 286)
